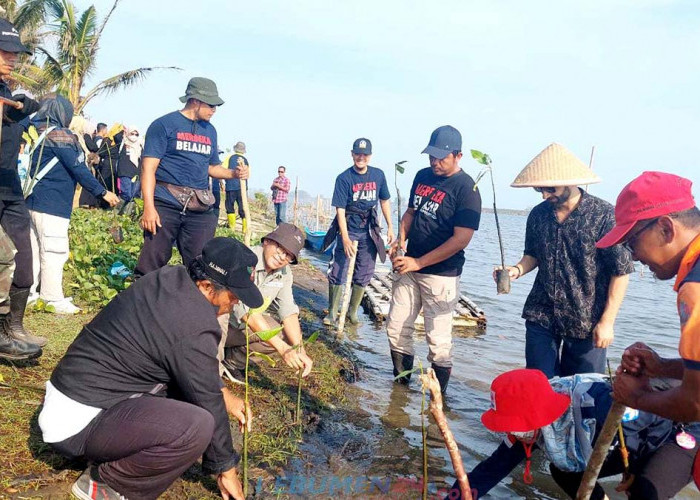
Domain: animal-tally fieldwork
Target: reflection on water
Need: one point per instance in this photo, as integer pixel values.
(392, 411)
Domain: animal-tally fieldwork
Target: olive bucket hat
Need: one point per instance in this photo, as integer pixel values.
(202, 89)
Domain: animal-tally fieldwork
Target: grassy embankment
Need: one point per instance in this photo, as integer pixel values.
(30, 469)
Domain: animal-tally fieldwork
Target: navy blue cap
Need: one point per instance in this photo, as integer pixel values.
(9, 38)
(362, 146)
(230, 263)
(443, 141)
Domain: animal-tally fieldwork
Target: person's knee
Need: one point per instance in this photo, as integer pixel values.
(201, 430)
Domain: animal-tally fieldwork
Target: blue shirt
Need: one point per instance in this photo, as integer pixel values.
(185, 149)
(360, 191)
(232, 162)
(53, 194)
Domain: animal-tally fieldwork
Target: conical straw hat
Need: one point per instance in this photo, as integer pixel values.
(555, 166)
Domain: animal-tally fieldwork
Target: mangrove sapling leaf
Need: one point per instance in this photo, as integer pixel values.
(266, 335)
(256, 310)
(482, 158)
(407, 372)
(264, 356)
(312, 338)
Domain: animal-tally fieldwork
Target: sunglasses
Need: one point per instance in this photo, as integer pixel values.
(549, 190)
(631, 241)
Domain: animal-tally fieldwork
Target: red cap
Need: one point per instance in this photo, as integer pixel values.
(650, 195)
(521, 401)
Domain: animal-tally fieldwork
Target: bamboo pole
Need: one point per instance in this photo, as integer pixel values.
(246, 206)
(347, 291)
(318, 210)
(11, 103)
(590, 162)
(600, 451)
(433, 385)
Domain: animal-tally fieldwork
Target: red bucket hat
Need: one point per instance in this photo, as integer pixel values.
(521, 401)
(650, 195)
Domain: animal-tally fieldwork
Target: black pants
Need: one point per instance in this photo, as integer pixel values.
(661, 474)
(234, 197)
(143, 445)
(190, 231)
(14, 218)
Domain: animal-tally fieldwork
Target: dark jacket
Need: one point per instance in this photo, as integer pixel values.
(374, 230)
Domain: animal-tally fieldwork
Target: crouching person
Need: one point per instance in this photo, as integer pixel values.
(273, 277)
(563, 417)
(138, 392)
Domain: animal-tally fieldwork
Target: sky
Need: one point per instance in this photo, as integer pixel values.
(302, 80)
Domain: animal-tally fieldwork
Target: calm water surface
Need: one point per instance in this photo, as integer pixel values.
(391, 412)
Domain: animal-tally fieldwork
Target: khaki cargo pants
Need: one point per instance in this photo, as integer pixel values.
(437, 296)
(7, 270)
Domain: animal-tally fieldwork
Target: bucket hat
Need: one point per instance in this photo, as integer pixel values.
(555, 166)
(289, 237)
(239, 147)
(521, 401)
(650, 195)
(230, 263)
(202, 89)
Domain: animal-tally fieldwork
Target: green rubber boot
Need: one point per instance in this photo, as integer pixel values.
(357, 293)
(334, 292)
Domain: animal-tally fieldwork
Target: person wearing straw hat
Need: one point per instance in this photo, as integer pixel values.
(571, 309)
(179, 155)
(562, 417)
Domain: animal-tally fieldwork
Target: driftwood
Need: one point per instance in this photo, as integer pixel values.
(347, 291)
(433, 385)
(600, 451)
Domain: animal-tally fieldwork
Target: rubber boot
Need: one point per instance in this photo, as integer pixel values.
(443, 375)
(232, 221)
(11, 348)
(245, 225)
(18, 305)
(402, 362)
(355, 299)
(334, 292)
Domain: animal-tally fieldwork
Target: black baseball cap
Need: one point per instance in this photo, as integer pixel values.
(230, 263)
(289, 237)
(9, 38)
(443, 141)
(362, 146)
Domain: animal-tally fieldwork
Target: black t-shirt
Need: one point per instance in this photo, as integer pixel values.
(159, 336)
(441, 204)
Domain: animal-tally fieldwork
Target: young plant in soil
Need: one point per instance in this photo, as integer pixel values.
(300, 381)
(423, 427)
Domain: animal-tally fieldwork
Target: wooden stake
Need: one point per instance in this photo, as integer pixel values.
(347, 291)
(590, 162)
(296, 199)
(318, 210)
(600, 452)
(246, 206)
(431, 382)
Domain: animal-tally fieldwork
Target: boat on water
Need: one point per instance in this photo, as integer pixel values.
(314, 241)
(469, 318)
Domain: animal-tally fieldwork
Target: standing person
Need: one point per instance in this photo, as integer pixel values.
(658, 221)
(180, 154)
(273, 276)
(129, 163)
(100, 134)
(138, 392)
(357, 191)
(571, 309)
(280, 191)
(108, 168)
(233, 188)
(59, 167)
(444, 210)
(15, 341)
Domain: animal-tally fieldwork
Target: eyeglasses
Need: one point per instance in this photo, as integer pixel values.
(631, 241)
(282, 253)
(549, 190)
(280, 171)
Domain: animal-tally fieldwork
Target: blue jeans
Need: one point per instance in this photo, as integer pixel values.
(542, 352)
(364, 262)
(280, 212)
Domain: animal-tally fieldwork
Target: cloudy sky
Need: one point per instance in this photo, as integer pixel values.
(303, 79)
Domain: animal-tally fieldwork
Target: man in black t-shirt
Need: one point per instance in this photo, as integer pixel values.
(444, 210)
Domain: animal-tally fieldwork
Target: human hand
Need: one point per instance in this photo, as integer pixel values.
(397, 249)
(348, 247)
(241, 172)
(628, 389)
(640, 359)
(235, 406)
(389, 236)
(603, 334)
(111, 198)
(513, 272)
(403, 265)
(230, 486)
(625, 483)
(150, 219)
(297, 360)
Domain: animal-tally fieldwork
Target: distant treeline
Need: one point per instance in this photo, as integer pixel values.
(507, 211)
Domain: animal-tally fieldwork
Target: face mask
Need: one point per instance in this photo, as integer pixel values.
(524, 436)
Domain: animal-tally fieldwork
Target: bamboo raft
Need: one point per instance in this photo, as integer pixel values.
(468, 317)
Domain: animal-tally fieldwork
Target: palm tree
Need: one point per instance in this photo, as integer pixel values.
(76, 37)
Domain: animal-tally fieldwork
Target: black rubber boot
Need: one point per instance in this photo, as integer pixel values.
(443, 375)
(334, 292)
(11, 348)
(18, 304)
(355, 299)
(402, 362)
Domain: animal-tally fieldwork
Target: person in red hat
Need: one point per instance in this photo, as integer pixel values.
(562, 417)
(657, 219)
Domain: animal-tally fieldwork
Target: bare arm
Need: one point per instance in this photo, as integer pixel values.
(386, 210)
(459, 240)
(294, 358)
(603, 332)
(343, 226)
(150, 220)
(219, 172)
